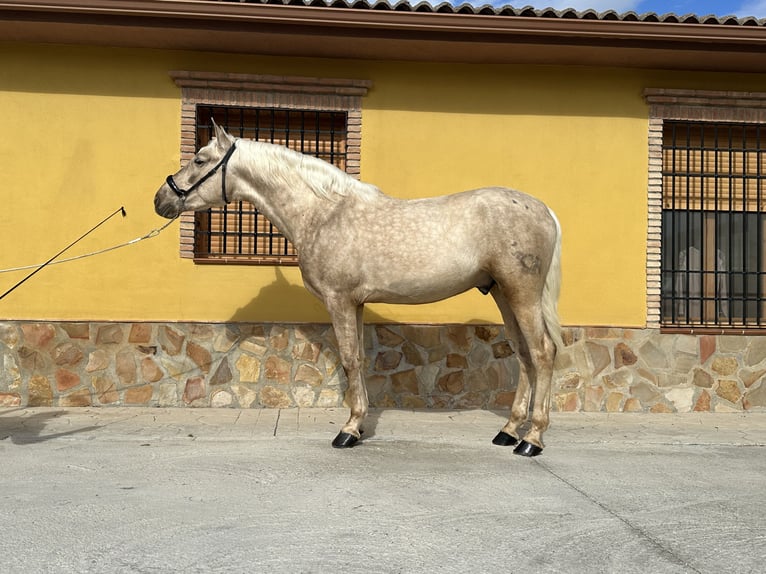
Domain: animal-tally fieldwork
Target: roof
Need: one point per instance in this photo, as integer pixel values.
(522, 12)
(382, 30)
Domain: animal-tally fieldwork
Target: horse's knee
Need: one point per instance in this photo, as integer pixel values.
(350, 361)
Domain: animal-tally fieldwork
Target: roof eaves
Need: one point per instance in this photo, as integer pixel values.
(381, 29)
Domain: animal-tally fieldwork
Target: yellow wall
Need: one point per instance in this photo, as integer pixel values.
(86, 131)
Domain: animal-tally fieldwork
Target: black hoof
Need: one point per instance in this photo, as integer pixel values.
(527, 449)
(504, 439)
(344, 440)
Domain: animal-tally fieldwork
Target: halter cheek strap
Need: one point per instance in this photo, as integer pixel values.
(182, 193)
(223, 172)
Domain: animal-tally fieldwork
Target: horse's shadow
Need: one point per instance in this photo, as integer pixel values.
(370, 424)
(283, 297)
(289, 302)
(21, 428)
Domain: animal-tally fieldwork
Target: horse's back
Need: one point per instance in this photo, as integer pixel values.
(502, 214)
(468, 220)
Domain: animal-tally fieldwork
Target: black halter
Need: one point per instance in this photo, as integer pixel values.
(182, 193)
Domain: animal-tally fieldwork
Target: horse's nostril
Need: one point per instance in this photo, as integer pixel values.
(169, 211)
(165, 207)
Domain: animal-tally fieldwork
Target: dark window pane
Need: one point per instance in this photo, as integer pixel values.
(712, 225)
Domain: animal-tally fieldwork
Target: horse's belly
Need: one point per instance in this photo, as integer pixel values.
(424, 289)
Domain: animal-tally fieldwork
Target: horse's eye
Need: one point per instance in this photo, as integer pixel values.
(198, 161)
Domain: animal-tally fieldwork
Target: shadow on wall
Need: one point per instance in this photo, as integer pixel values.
(289, 295)
(406, 366)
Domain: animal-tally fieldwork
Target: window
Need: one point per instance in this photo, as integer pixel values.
(712, 224)
(318, 116)
(237, 231)
(710, 182)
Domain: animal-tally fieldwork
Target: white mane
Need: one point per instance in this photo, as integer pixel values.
(324, 179)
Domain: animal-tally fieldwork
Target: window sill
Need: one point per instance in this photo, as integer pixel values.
(290, 261)
(712, 330)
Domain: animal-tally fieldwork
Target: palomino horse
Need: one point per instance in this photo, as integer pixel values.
(356, 245)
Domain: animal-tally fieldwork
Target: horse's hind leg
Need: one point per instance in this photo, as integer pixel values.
(347, 323)
(509, 435)
(541, 354)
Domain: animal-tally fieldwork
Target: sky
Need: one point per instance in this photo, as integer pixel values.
(739, 8)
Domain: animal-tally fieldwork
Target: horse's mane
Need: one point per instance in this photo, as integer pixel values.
(323, 178)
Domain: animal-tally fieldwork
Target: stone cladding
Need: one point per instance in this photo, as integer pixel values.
(69, 364)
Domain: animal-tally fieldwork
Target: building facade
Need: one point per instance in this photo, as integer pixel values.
(643, 134)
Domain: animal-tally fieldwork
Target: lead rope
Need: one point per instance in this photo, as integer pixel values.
(38, 267)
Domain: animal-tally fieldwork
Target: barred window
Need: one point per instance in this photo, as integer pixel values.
(318, 116)
(713, 224)
(237, 232)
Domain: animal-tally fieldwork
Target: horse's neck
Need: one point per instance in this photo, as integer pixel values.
(289, 204)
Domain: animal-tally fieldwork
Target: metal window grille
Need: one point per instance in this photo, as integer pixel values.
(713, 225)
(237, 232)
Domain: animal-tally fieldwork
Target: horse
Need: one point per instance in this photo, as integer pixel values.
(501, 241)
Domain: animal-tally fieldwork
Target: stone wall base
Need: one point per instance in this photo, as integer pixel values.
(409, 366)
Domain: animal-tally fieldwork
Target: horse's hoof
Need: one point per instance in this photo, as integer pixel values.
(344, 440)
(504, 439)
(527, 449)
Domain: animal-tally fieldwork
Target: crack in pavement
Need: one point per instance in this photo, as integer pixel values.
(643, 534)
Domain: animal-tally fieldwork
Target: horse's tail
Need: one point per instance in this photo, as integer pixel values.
(551, 290)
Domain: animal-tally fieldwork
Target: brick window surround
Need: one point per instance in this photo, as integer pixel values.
(286, 92)
(689, 105)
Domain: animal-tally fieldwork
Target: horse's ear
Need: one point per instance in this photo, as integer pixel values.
(224, 139)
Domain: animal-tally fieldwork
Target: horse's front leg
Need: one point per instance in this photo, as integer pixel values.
(347, 323)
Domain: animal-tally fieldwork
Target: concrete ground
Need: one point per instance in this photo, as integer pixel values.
(139, 490)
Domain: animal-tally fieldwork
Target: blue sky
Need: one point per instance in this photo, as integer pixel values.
(740, 8)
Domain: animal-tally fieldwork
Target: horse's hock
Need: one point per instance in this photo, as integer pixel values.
(407, 366)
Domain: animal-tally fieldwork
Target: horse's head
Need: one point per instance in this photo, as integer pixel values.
(202, 183)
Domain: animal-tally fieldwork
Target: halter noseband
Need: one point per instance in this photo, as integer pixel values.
(182, 193)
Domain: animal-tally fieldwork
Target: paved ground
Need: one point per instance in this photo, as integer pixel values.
(198, 491)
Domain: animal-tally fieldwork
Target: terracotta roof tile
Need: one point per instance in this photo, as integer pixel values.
(518, 11)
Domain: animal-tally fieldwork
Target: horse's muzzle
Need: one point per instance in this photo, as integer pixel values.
(167, 203)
